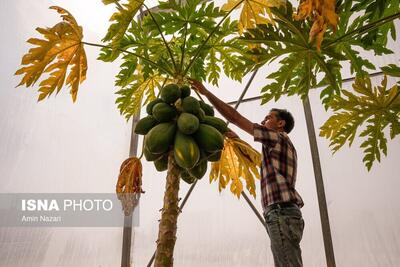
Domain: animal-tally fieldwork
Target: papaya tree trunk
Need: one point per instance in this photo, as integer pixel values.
(169, 216)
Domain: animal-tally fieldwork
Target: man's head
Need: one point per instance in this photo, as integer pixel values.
(279, 120)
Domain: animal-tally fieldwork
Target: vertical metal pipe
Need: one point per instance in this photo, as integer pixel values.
(323, 209)
(127, 231)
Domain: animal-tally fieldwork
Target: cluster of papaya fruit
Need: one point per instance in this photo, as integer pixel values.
(179, 122)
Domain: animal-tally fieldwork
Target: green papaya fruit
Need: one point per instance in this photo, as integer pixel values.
(161, 163)
(185, 91)
(209, 138)
(208, 110)
(161, 137)
(149, 107)
(186, 151)
(188, 123)
(144, 125)
(217, 123)
(163, 112)
(190, 105)
(170, 93)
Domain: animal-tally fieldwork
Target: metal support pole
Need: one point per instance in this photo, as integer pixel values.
(323, 209)
(127, 231)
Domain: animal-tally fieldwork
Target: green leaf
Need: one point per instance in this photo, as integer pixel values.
(377, 107)
(212, 68)
(121, 19)
(391, 70)
(370, 11)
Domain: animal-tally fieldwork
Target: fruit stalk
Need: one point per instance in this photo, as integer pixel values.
(169, 217)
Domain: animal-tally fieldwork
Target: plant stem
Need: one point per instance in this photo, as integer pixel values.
(162, 35)
(169, 217)
(183, 47)
(364, 29)
(208, 38)
(197, 93)
(131, 53)
(394, 98)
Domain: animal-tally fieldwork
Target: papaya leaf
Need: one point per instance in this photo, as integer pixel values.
(228, 52)
(212, 68)
(60, 49)
(190, 24)
(371, 11)
(130, 97)
(238, 161)
(129, 185)
(391, 70)
(121, 19)
(377, 107)
(253, 12)
(172, 17)
(323, 14)
(301, 63)
(107, 2)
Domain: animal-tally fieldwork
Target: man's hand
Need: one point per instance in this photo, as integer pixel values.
(198, 86)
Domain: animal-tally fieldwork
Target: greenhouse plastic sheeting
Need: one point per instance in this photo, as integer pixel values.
(56, 146)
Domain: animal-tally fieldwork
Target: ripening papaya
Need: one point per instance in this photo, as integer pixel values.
(209, 138)
(161, 137)
(186, 151)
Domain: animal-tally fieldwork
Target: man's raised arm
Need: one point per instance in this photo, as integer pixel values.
(226, 110)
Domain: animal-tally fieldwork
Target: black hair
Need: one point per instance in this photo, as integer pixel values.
(285, 115)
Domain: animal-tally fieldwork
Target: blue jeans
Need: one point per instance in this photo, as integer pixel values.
(285, 228)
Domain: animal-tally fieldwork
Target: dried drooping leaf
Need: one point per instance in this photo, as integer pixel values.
(253, 12)
(238, 160)
(129, 185)
(323, 13)
(62, 48)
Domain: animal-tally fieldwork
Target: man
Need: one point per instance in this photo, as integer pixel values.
(280, 201)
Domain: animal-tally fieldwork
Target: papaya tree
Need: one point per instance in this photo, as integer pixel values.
(159, 52)
(178, 41)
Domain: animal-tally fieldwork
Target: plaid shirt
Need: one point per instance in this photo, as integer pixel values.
(278, 168)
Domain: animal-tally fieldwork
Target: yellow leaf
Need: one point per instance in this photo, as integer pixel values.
(60, 49)
(129, 185)
(253, 12)
(322, 12)
(131, 103)
(238, 161)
